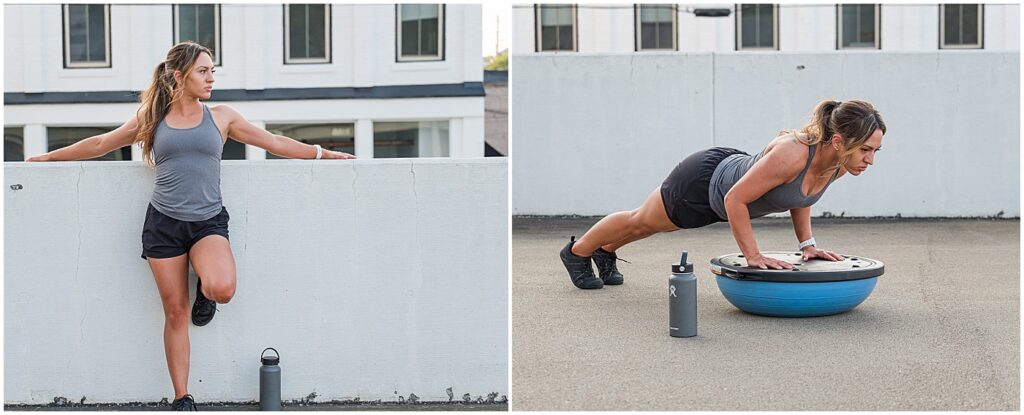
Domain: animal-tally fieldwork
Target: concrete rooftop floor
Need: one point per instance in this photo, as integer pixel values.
(941, 331)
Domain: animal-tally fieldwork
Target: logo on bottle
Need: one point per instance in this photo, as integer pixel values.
(672, 291)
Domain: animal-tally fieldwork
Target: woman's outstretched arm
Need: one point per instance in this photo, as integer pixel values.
(243, 131)
(94, 146)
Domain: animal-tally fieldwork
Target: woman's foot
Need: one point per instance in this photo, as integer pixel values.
(204, 308)
(580, 271)
(185, 403)
(606, 268)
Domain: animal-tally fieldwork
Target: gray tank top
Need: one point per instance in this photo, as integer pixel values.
(780, 199)
(188, 170)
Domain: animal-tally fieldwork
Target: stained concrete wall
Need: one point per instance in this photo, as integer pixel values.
(373, 278)
(597, 133)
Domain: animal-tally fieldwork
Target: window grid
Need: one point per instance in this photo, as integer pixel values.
(572, 25)
(287, 34)
(858, 9)
(216, 29)
(106, 62)
(638, 18)
(980, 11)
(774, 8)
(400, 57)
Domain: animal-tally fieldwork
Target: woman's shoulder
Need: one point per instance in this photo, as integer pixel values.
(223, 111)
(788, 151)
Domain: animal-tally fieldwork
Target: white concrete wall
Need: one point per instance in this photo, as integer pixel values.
(252, 40)
(595, 134)
(609, 28)
(374, 279)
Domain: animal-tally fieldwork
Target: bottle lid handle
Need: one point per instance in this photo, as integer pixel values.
(270, 348)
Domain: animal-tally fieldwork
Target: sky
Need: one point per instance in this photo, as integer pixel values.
(497, 19)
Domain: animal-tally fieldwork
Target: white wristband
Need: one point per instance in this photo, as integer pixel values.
(319, 151)
(807, 243)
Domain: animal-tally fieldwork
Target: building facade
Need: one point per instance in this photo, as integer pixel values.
(623, 28)
(377, 81)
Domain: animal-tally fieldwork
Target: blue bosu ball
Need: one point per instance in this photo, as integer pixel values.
(815, 288)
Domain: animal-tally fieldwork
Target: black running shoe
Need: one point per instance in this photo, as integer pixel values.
(186, 403)
(580, 271)
(606, 268)
(204, 308)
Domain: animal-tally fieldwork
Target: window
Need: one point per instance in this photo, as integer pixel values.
(335, 137)
(858, 26)
(307, 33)
(410, 139)
(420, 32)
(960, 26)
(14, 144)
(199, 23)
(655, 26)
(556, 27)
(60, 137)
(233, 150)
(86, 36)
(757, 27)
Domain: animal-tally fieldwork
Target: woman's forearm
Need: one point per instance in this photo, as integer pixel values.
(290, 148)
(82, 150)
(742, 230)
(801, 223)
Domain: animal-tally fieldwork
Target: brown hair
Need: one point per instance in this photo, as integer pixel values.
(156, 100)
(855, 121)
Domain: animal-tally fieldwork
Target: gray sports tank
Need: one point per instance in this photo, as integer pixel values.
(780, 199)
(188, 170)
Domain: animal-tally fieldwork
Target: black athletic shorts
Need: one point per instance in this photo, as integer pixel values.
(685, 191)
(166, 237)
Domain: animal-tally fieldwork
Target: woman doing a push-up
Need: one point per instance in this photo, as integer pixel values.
(727, 185)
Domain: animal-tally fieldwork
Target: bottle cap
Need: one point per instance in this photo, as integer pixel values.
(682, 266)
(270, 360)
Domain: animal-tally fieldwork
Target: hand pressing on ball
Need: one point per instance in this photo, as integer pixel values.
(763, 262)
(812, 251)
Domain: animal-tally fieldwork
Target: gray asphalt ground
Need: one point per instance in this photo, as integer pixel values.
(392, 407)
(941, 331)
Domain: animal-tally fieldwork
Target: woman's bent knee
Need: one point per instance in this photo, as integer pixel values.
(220, 292)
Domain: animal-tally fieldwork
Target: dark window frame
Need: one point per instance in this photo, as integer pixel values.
(981, 28)
(637, 29)
(441, 38)
(739, 28)
(538, 29)
(328, 35)
(217, 61)
(66, 39)
(839, 28)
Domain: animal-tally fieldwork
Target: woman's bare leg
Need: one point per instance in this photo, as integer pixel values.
(215, 265)
(621, 228)
(171, 275)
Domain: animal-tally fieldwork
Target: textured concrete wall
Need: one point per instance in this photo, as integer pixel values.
(595, 134)
(374, 279)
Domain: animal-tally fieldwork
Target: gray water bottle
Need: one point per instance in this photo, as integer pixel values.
(270, 381)
(682, 300)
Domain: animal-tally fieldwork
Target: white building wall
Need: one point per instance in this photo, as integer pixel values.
(609, 28)
(252, 41)
(374, 279)
(596, 133)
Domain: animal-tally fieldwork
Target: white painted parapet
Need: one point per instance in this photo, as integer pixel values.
(373, 278)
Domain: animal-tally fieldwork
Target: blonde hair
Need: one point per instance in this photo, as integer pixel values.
(855, 121)
(156, 100)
